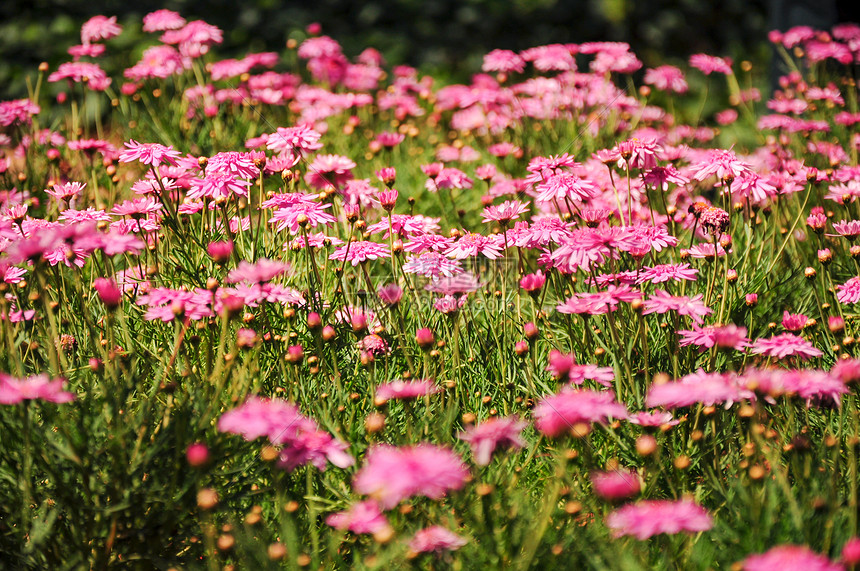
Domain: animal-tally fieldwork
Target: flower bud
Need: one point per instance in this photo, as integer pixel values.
(220, 252)
(835, 323)
(425, 338)
(646, 445)
(295, 354)
(207, 498)
(197, 455)
(108, 292)
(328, 333)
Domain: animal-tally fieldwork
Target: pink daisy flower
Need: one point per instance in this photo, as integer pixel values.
(312, 214)
(218, 186)
(557, 414)
(602, 375)
(281, 422)
(99, 28)
(263, 270)
(504, 212)
(18, 111)
(361, 251)
(785, 345)
(649, 518)
(137, 208)
(504, 61)
(660, 177)
(77, 71)
(299, 140)
(708, 389)
(793, 322)
(849, 229)
(666, 272)
(789, 558)
(162, 20)
(472, 244)
(543, 231)
(492, 434)
(711, 64)
(391, 475)
(361, 517)
(38, 387)
(563, 186)
(615, 485)
(435, 539)
(849, 292)
(432, 265)
(329, 170)
(722, 163)
(66, 192)
(652, 419)
(152, 154)
(666, 78)
(406, 390)
(662, 302)
(726, 337)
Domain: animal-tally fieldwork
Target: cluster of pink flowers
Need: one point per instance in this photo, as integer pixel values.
(299, 438)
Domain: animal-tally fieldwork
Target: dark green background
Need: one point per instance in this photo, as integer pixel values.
(446, 37)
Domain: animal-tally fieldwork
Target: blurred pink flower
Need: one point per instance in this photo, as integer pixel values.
(406, 390)
(99, 28)
(492, 434)
(38, 387)
(649, 518)
(789, 558)
(435, 538)
(558, 413)
(361, 517)
(390, 474)
(615, 484)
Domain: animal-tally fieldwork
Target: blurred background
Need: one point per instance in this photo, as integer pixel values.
(445, 37)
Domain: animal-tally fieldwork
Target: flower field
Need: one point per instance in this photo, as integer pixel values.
(302, 310)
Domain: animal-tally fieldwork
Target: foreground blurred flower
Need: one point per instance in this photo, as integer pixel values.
(491, 434)
(700, 387)
(559, 413)
(789, 558)
(646, 519)
(390, 474)
(108, 291)
(615, 484)
(405, 390)
(197, 454)
(435, 538)
(362, 517)
(38, 387)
